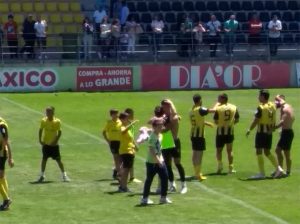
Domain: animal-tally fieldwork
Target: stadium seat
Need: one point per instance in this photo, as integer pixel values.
(281, 5)
(144, 38)
(141, 7)
(131, 6)
(153, 6)
(200, 6)
(67, 18)
(194, 16)
(247, 6)
(188, 6)
(177, 6)
(226, 15)
(51, 6)
(170, 17)
(4, 8)
(15, 7)
(174, 27)
(205, 17)
(224, 6)
(235, 6)
(212, 6)
(19, 18)
(63, 7)
(27, 7)
(180, 17)
(241, 17)
(293, 27)
(58, 29)
(136, 16)
(297, 16)
(258, 6)
(241, 38)
(168, 39)
(55, 18)
(71, 28)
(219, 17)
(146, 18)
(78, 18)
(297, 38)
(165, 6)
(264, 16)
(287, 16)
(39, 7)
(275, 13)
(75, 7)
(293, 5)
(270, 5)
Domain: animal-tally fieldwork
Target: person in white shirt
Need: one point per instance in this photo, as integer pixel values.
(40, 28)
(124, 13)
(274, 27)
(131, 26)
(157, 26)
(98, 16)
(213, 29)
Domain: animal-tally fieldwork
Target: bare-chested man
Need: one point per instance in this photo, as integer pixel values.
(286, 137)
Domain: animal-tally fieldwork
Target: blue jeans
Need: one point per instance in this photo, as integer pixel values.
(161, 170)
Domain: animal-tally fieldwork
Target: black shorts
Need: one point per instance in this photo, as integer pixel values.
(114, 147)
(198, 143)
(175, 152)
(2, 162)
(263, 141)
(286, 139)
(51, 152)
(254, 39)
(221, 140)
(127, 160)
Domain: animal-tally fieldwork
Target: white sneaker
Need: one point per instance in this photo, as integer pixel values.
(183, 188)
(231, 171)
(172, 188)
(146, 201)
(165, 200)
(66, 178)
(258, 176)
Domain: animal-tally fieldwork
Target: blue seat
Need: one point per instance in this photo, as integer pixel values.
(153, 6)
(281, 5)
(141, 7)
(293, 27)
(287, 16)
(146, 18)
(212, 6)
(293, 5)
(194, 16)
(264, 16)
(188, 6)
(258, 6)
(224, 6)
(241, 17)
(270, 5)
(200, 6)
(165, 6)
(180, 16)
(170, 17)
(205, 17)
(177, 6)
(131, 6)
(247, 6)
(235, 6)
(297, 16)
(288, 38)
(219, 17)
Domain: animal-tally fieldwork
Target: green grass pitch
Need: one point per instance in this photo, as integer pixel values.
(90, 197)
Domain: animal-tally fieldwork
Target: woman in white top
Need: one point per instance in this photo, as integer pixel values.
(105, 37)
(41, 35)
(198, 30)
(274, 27)
(157, 26)
(131, 26)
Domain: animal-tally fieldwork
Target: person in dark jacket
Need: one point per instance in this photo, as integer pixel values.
(28, 36)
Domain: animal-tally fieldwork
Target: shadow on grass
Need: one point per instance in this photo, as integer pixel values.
(105, 180)
(44, 182)
(256, 179)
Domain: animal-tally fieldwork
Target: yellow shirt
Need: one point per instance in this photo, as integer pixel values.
(113, 130)
(50, 129)
(3, 135)
(126, 142)
(225, 116)
(197, 121)
(266, 115)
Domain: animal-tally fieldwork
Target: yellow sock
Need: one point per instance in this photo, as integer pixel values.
(3, 188)
(197, 171)
(260, 161)
(273, 160)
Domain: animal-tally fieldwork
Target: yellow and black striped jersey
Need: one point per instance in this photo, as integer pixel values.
(225, 117)
(3, 135)
(197, 115)
(266, 115)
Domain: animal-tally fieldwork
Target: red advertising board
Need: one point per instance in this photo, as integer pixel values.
(104, 78)
(215, 76)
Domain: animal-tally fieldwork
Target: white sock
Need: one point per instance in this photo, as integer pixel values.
(42, 174)
(64, 174)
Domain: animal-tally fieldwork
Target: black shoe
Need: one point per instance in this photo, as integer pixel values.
(41, 179)
(115, 174)
(5, 205)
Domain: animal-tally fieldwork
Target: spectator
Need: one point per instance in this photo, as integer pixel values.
(274, 27)
(117, 7)
(11, 33)
(28, 36)
(40, 27)
(88, 29)
(98, 16)
(186, 29)
(213, 29)
(124, 13)
(131, 26)
(105, 38)
(255, 26)
(230, 28)
(115, 35)
(124, 39)
(198, 38)
(157, 26)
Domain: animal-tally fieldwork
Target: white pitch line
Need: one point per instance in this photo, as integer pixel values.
(203, 187)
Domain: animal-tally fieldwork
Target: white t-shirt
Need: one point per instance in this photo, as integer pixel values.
(40, 28)
(213, 27)
(98, 16)
(277, 25)
(157, 26)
